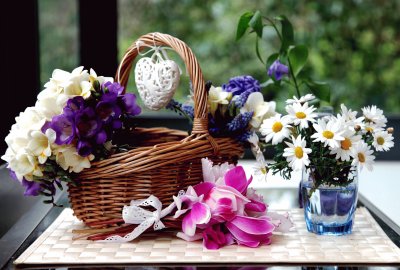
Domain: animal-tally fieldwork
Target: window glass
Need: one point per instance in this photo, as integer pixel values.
(58, 33)
(353, 44)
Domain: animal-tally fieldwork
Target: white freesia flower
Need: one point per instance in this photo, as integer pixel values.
(302, 99)
(362, 154)
(101, 79)
(255, 103)
(260, 169)
(374, 118)
(301, 114)
(383, 141)
(40, 144)
(329, 133)
(25, 165)
(344, 151)
(217, 96)
(297, 153)
(275, 128)
(68, 158)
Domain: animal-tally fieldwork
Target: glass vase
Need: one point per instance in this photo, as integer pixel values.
(329, 209)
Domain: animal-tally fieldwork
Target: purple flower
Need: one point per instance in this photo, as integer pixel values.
(277, 70)
(129, 104)
(84, 148)
(64, 127)
(108, 108)
(240, 84)
(86, 122)
(114, 88)
(241, 121)
(32, 188)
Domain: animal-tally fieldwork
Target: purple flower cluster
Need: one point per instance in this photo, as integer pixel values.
(241, 87)
(241, 121)
(240, 84)
(92, 122)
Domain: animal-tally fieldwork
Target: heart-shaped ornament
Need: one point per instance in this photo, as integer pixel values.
(156, 81)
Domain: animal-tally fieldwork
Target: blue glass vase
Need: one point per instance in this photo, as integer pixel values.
(329, 210)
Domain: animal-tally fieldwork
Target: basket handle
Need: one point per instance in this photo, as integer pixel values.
(200, 122)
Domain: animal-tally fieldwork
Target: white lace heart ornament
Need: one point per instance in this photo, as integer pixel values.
(156, 80)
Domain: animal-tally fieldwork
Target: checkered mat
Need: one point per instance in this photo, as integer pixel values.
(368, 244)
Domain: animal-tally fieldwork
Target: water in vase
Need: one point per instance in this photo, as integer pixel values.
(329, 210)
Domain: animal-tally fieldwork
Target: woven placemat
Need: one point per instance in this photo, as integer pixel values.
(368, 244)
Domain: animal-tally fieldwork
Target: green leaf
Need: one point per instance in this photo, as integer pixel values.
(258, 50)
(297, 58)
(287, 33)
(321, 90)
(256, 23)
(243, 24)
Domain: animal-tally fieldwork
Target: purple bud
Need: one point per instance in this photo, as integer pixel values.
(101, 137)
(277, 70)
(84, 148)
(130, 105)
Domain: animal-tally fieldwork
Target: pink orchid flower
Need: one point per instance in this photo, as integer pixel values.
(217, 236)
(249, 231)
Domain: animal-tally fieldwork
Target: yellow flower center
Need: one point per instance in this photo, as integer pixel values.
(301, 115)
(380, 140)
(263, 170)
(369, 129)
(276, 127)
(298, 152)
(328, 134)
(361, 157)
(346, 144)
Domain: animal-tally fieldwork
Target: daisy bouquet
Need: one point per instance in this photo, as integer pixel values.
(72, 124)
(329, 147)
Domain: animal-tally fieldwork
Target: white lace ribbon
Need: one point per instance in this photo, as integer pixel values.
(135, 214)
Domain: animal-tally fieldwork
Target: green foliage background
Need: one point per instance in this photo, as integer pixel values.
(353, 44)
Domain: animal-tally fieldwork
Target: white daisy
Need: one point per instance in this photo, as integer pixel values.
(275, 128)
(374, 117)
(297, 153)
(329, 133)
(302, 99)
(383, 141)
(344, 151)
(362, 154)
(301, 114)
(261, 167)
(350, 117)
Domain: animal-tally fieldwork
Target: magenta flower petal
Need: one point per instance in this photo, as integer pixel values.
(236, 178)
(253, 225)
(215, 237)
(249, 231)
(188, 226)
(255, 206)
(203, 188)
(199, 214)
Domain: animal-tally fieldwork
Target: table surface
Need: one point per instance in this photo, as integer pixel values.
(279, 193)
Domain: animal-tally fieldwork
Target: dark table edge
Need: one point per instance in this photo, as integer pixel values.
(379, 214)
(219, 265)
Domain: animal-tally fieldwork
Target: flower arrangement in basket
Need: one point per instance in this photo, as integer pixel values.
(82, 131)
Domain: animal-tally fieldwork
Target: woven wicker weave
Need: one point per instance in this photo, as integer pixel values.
(166, 160)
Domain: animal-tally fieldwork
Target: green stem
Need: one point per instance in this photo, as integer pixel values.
(294, 78)
(290, 65)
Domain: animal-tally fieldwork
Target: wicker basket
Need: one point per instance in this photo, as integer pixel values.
(165, 161)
